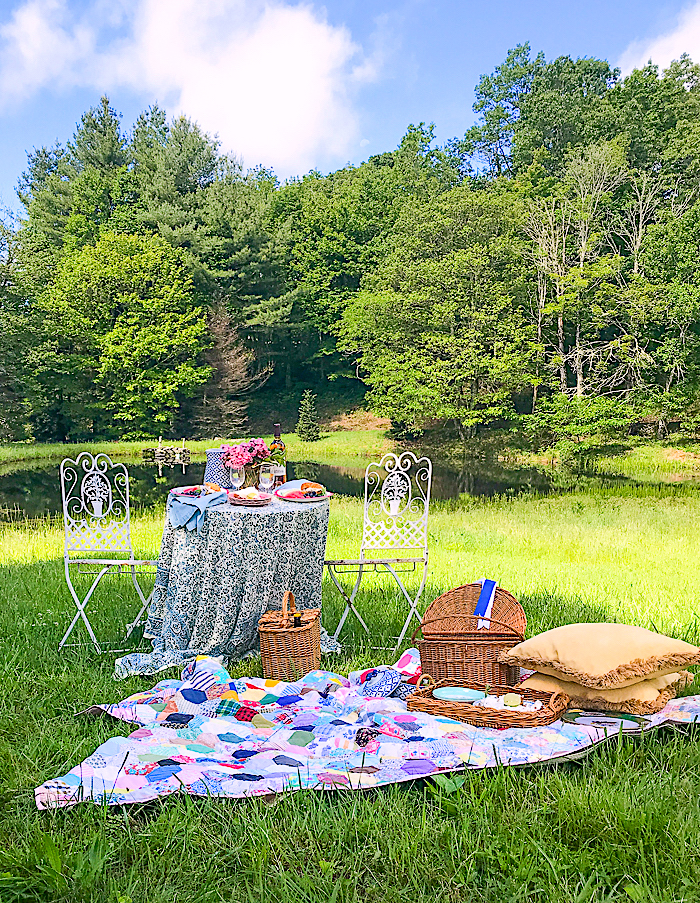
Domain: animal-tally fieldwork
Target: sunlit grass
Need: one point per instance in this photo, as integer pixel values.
(623, 825)
(641, 460)
(653, 460)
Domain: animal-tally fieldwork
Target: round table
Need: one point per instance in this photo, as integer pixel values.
(212, 588)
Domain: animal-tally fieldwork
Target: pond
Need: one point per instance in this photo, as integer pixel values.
(34, 490)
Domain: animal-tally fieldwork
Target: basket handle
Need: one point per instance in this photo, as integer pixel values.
(555, 696)
(473, 617)
(430, 685)
(288, 607)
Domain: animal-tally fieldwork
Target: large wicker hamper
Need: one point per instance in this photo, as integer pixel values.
(454, 647)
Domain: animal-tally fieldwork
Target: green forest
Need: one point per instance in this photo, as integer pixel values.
(540, 272)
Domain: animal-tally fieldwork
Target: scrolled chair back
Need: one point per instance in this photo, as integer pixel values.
(397, 499)
(95, 494)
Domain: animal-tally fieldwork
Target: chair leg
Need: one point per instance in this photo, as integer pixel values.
(145, 602)
(413, 603)
(349, 601)
(80, 605)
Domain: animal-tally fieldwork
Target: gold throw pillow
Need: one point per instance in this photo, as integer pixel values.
(643, 698)
(602, 655)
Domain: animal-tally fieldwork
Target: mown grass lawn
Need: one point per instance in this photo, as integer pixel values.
(624, 824)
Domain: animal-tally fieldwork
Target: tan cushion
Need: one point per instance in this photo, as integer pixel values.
(644, 698)
(602, 655)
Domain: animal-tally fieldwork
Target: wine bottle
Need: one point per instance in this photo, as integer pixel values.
(279, 455)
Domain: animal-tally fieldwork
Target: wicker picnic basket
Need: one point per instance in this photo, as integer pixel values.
(289, 652)
(553, 705)
(454, 647)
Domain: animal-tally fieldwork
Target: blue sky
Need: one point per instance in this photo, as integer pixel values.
(296, 85)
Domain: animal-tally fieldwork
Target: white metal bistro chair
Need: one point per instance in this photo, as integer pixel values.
(96, 518)
(395, 524)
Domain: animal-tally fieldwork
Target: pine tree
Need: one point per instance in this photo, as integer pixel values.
(308, 429)
(98, 140)
(222, 410)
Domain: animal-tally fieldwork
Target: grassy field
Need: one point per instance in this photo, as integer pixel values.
(622, 825)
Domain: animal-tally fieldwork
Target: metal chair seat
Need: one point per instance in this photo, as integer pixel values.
(117, 562)
(367, 562)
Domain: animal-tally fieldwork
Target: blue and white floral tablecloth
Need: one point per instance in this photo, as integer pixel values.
(212, 588)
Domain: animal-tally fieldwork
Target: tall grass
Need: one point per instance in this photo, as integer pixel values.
(653, 460)
(623, 825)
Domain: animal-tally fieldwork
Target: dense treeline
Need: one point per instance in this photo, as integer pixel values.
(543, 269)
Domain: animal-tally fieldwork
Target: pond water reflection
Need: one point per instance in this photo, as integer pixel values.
(33, 491)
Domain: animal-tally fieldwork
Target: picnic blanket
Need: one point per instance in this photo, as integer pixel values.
(211, 735)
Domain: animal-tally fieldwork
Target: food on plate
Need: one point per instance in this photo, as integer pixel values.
(313, 490)
(250, 494)
(302, 491)
(285, 493)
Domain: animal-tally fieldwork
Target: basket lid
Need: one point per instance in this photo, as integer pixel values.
(453, 613)
(283, 619)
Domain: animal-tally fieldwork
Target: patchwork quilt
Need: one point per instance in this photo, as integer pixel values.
(211, 735)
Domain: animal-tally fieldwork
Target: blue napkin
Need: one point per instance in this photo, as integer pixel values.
(188, 510)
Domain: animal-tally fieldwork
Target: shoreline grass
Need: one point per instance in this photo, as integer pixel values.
(333, 447)
(641, 459)
(621, 825)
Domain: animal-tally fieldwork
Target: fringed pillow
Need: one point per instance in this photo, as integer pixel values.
(643, 698)
(605, 656)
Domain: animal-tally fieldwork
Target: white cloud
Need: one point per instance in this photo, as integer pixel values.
(275, 80)
(38, 49)
(662, 49)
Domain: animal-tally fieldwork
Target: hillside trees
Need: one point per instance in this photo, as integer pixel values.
(546, 258)
(440, 331)
(118, 341)
(13, 340)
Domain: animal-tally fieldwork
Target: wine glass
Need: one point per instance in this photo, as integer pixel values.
(267, 477)
(237, 477)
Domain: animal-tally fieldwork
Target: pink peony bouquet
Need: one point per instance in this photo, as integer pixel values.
(254, 451)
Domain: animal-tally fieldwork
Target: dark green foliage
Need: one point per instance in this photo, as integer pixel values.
(549, 252)
(308, 429)
(499, 102)
(98, 142)
(13, 342)
(440, 332)
(118, 341)
(574, 426)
